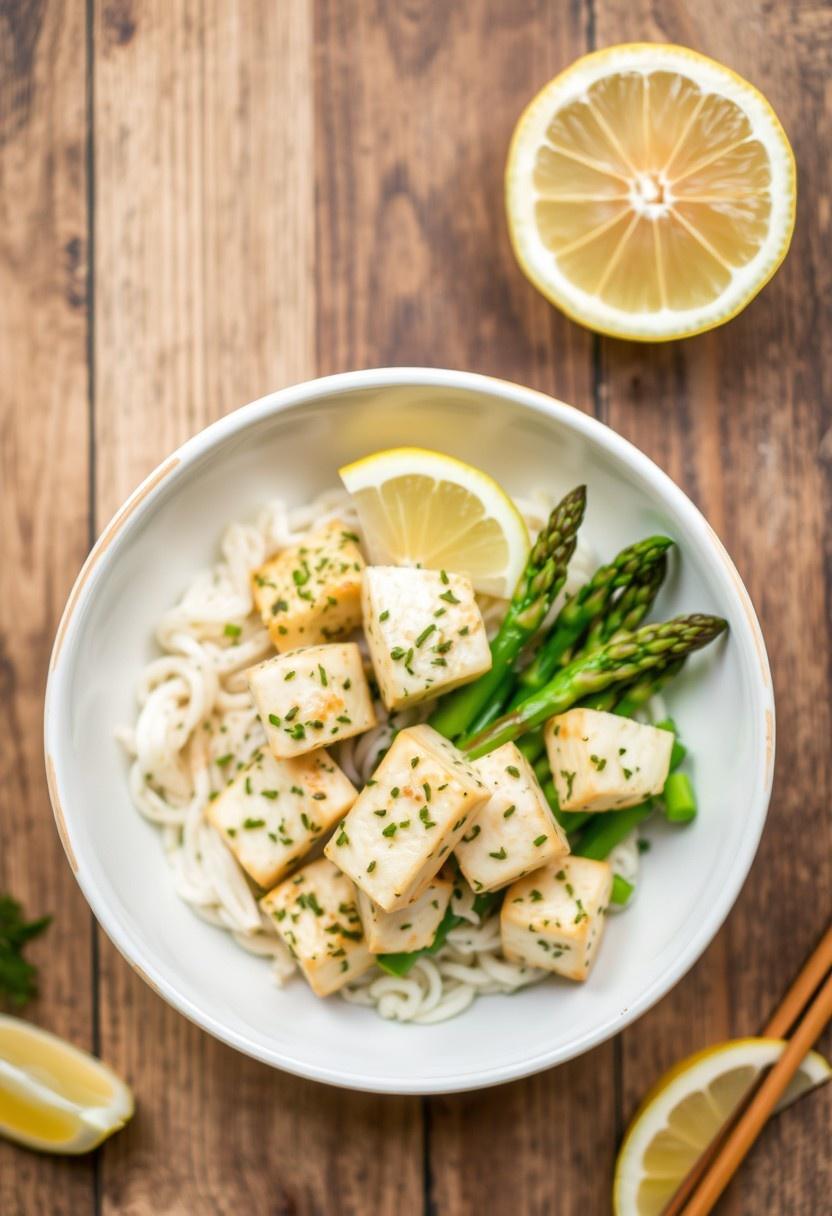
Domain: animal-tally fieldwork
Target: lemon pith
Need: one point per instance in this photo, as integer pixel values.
(650, 192)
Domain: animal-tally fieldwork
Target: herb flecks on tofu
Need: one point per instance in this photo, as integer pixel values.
(425, 634)
(311, 592)
(316, 913)
(410, 928)
(602, 761)
(274, 811)
(397, 843)
(554, 918)
(312, 696)
(514, 831)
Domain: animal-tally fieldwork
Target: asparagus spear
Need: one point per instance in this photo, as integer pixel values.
(539, 583)
(587, 606)
(632, 605)
(636, 696)
(608, 830)
(623, 659)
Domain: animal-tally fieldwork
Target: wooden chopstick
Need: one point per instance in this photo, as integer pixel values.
(745, 1131)
(789, 1010)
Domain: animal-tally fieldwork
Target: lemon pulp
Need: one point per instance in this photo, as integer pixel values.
(53, 1096)
(650, 191)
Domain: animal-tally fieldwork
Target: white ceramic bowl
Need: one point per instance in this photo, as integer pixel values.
(291, 443)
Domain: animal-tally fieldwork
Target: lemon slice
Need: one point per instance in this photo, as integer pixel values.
(421, 508)
(54, 1096)
(685, 1110)
(650, 192)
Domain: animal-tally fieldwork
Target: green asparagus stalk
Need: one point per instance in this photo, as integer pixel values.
(587, 606)
(679, 751)
(679, 798)
(622, 891)
(622, 660)
(631, 606)
(640, 691)
(540, 582)
(606, 831)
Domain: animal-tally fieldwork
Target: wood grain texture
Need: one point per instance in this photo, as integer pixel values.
(285, 189)
(43, 511)
(738, 417)
(204, 295)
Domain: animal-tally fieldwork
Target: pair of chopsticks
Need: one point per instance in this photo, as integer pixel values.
(805, 1010)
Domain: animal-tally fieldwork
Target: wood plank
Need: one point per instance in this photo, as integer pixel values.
(415, 106)
(739, 417)
(43, 512)
(205, 243)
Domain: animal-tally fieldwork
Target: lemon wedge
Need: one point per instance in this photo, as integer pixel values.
(685, 1110)
(650, 192)
(53, 1096)
(421, 508)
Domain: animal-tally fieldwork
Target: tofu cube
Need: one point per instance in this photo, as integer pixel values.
(274, 811)
(425, 632)
(310, 697)
(602, 762)
(554, 918)
(408, 818)
(311, 592)
(411, 928)
(515, 831)
(316, 913)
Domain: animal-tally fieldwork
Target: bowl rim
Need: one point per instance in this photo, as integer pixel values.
(213, 436)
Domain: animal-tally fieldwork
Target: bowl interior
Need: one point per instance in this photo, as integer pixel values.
(292, 446)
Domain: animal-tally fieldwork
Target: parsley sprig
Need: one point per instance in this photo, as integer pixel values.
(18, 978)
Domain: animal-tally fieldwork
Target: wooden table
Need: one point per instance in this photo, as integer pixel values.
(203, 201)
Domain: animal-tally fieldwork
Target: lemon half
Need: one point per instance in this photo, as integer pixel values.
(422, 508)
(53, 1096)
(686, 1109)
(650, 192)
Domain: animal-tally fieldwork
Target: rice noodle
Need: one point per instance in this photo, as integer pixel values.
(195, 709)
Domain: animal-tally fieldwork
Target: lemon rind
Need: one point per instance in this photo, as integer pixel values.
(580, 306)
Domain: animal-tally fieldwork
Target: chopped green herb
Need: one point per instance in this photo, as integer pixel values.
(232, 631)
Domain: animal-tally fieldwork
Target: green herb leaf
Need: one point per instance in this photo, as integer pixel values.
(18, 979)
